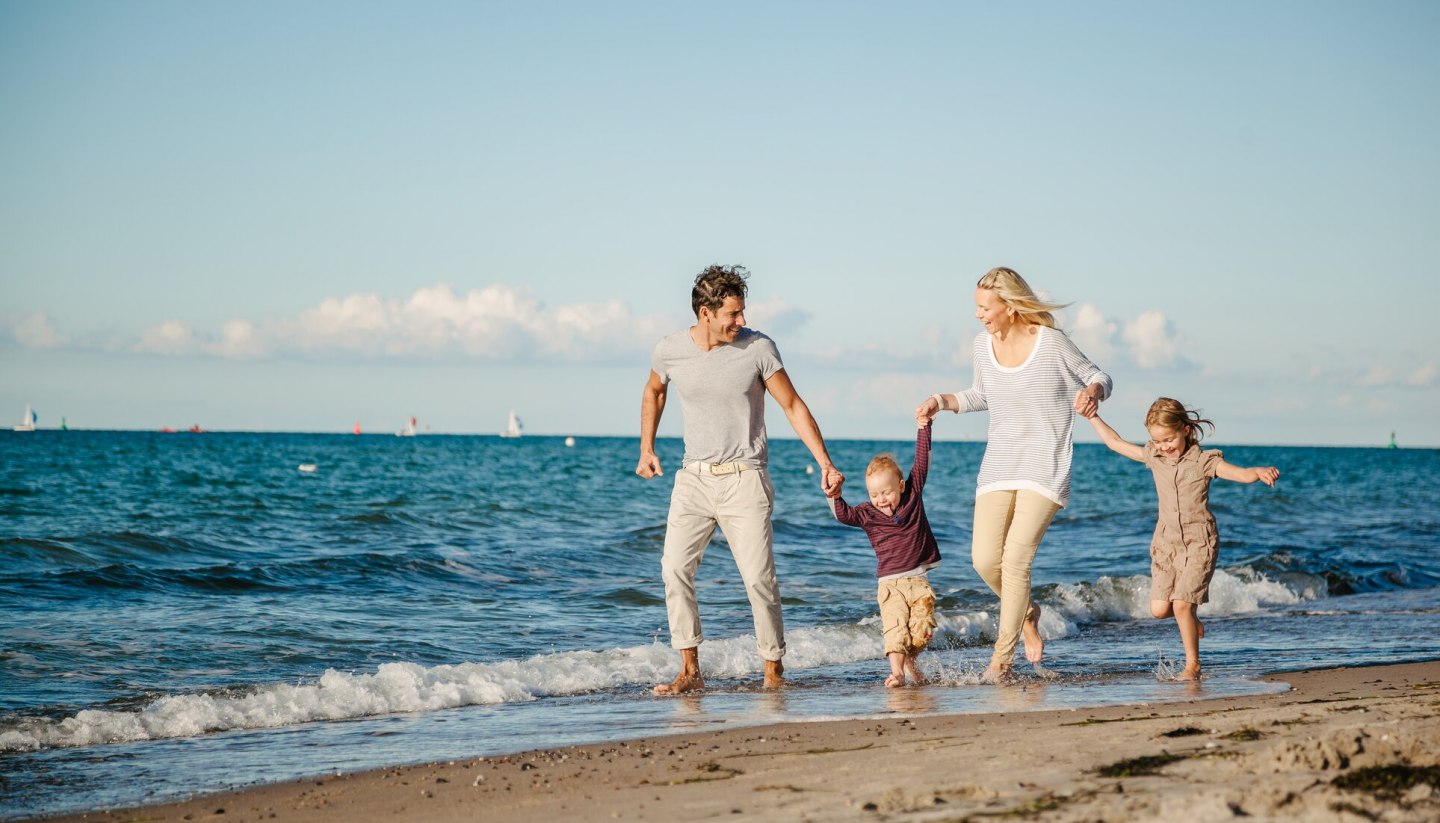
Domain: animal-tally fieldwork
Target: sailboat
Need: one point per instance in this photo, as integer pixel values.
(512, 428)
(408, 431)
(27, 423)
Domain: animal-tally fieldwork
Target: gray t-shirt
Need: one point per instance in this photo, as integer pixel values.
(722, 394)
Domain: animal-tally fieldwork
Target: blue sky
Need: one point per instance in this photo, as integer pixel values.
(290, 216)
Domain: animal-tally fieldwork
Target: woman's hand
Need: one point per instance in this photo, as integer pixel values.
(1087, 400)
(926, 411)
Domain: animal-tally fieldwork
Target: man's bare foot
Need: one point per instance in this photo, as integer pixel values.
(1030, 632)
(774, 674)
(894, 681)
(995, 673)
(1189, 673)
(683, 682)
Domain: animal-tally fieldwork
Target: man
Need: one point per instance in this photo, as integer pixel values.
(722, 371)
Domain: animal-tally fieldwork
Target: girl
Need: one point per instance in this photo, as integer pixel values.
(1183, 550)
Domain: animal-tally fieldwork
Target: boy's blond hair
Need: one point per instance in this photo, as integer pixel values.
(884, 463)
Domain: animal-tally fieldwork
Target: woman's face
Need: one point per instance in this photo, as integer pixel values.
(992, 312)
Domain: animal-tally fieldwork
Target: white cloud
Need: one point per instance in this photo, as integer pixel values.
(1093, 333)
(775, 317)
(1377, 376)
(1152, 342)
(497, 322)
(35, 331)
(1423, 376)
(170, 337)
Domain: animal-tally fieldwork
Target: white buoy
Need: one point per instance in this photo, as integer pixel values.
(308, 468)
(809, 469)
(570, 441)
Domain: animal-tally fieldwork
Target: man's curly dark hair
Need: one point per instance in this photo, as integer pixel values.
(715, 284)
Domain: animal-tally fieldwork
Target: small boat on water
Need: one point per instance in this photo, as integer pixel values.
(513, 427)
(27, 423)
(408, 431)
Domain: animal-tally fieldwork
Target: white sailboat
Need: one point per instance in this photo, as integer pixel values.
(27, 423)
(512, 429)
(408, 431)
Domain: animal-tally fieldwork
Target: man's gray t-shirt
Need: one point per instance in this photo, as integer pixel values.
(722, 394)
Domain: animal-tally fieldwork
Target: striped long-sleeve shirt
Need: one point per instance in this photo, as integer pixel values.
(1032, 414)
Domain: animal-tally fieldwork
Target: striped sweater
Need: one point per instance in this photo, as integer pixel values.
(1032, 414)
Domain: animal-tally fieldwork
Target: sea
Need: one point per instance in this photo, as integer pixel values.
(187, 613)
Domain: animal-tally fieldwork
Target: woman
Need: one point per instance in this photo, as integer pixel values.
(1033, 380)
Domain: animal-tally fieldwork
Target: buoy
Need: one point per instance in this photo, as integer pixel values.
(570, 441)
(809, 469)
(308, 468)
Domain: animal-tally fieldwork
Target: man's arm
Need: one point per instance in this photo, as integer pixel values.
(652, 405)
(804, 424)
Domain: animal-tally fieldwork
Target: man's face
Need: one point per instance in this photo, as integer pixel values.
(722, 324)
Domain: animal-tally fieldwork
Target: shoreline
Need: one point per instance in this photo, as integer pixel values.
(1276, 755)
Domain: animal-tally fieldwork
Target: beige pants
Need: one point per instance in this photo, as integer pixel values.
(1008, 528)
(740, 504)
(907, 614)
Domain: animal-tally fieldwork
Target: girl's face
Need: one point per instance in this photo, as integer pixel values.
(885, 488)
(992, 312)
(1169, 442)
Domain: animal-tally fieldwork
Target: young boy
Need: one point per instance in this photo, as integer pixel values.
(905, 550)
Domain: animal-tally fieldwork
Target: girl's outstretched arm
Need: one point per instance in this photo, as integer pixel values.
(1240, 474)
(1117, 444)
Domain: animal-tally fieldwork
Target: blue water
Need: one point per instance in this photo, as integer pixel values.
(192, 612)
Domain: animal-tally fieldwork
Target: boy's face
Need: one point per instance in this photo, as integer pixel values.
(885, 488)
(1169, 442)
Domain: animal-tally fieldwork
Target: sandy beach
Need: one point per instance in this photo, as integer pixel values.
(1341, 744)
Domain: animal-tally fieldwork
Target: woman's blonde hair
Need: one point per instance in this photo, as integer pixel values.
(1014, 292)
(884, 463)
(1172, 414)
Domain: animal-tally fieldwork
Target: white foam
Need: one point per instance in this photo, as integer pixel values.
(410, 687)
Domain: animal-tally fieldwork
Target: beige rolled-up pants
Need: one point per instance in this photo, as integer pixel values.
(740, 503)
(1008, 528)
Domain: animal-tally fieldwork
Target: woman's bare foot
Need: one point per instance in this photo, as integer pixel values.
(995, 673)
(774, 674)
(1189, 673)
(683, 682)
(1030, 633)
(894, 681)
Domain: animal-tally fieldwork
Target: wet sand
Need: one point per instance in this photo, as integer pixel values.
(1341, 744)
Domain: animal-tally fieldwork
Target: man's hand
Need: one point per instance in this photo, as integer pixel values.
(649, 465)
(831, 480)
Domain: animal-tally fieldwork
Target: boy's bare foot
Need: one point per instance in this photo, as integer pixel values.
(913, 672)
(995, 673)
(1030, 633)
(1189, 673)
(683, 682)
(894, 681)
(774, 674)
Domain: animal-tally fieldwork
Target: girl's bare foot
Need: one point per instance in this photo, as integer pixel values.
(1189, 673)
(894, 681)
(1030, 634)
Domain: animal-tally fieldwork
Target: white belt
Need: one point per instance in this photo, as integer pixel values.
(701, 467)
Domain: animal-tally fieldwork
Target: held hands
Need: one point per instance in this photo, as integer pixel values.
(649, 465)
(926, 411)
(831, 481)
(1086, 405)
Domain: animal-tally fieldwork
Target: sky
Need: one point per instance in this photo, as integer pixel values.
(303, 216)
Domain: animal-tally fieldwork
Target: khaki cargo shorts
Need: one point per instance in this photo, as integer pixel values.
(907, 614)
